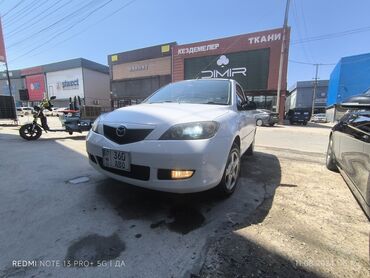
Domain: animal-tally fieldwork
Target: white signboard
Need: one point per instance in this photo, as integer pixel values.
(65, 84)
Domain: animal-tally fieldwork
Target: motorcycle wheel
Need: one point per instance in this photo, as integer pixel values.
(30, 132)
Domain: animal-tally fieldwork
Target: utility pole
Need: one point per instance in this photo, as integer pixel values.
(282, 55)
(314, 88)
(8, 77)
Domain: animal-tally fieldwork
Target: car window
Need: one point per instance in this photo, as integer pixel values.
(360, 121)
(194, 91)
(240, 93)
(240, 98)
(239, 102)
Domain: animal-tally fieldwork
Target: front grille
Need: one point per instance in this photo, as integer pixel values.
(131, 135)
(137, 171)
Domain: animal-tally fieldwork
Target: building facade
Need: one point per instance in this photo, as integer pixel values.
(251, 59)
(138, 73)
(301, 93)
(67, 79)
(16, 81)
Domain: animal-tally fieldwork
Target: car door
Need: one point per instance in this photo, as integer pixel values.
(246, 120)
(362, 178)
(355, 152)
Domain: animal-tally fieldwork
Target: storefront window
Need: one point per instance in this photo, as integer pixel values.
(264, 102)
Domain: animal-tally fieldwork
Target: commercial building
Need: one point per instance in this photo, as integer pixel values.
(138, 73)
(17, 84)
(301, 93)
(351, 76)
(66, 79)
(251, 59)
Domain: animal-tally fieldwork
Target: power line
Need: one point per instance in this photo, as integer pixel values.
(311, 64)
(108, 16)
(298, 29)
(305, 30)
(65, 30)
(36, 19)
(25, 11)
(332, 35)
(68, 16)
(98, 22)
(13, 8)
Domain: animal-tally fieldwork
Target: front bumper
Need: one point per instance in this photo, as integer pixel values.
(206, 157)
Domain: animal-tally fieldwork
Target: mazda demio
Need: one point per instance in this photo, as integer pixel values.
(188, 136)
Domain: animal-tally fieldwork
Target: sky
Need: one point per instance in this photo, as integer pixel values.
(39, 32)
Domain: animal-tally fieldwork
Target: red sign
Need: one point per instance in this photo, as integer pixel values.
(36, 87)
(2, 45)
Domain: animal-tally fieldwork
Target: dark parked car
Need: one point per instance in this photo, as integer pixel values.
(265, 117)
(349, 151)
(298, 116)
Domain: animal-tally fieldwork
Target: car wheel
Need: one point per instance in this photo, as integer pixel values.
(259, 122)
(331, 162)
(231, 174)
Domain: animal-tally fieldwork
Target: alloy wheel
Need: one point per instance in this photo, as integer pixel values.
(232, 170)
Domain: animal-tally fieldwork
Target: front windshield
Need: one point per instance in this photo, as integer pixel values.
(194, 91)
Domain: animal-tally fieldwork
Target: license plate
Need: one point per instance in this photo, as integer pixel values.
(116, 159)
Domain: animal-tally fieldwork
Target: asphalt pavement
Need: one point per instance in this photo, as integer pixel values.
(56, 210)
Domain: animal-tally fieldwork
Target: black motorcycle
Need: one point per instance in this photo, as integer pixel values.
(71, 121)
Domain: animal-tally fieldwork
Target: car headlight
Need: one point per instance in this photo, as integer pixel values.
(95, 125)
(191, 131)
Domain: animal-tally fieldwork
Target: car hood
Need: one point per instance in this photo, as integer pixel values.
(165, 113)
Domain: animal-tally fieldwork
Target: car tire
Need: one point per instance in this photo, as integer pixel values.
(259, 122)
(331, 162)
(231, 173)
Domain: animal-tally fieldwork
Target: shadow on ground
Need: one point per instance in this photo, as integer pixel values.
(232, 255)
(183, 214)
(187, 212)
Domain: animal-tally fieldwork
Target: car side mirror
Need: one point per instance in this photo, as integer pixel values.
(251, 105)
(53, 97)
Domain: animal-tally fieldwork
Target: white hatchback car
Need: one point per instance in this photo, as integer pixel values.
(186, 137)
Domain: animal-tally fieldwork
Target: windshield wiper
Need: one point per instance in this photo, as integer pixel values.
(165, 101)
(212, 102)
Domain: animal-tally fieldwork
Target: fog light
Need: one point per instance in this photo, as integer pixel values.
(181, 174)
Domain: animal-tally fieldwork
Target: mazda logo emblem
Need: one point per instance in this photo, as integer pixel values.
(121, 131)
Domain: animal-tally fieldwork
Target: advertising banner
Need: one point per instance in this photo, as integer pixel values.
(2, 45)
(65, 84)
(249, 68)
(36, 87)
(251, 59)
